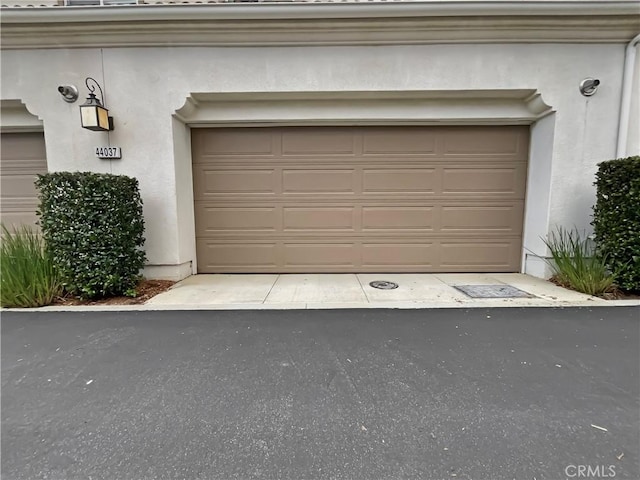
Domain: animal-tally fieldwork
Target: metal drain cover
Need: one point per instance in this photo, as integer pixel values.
(383, 285)
(492, 291)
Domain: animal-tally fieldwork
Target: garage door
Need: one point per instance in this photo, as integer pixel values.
(359, 199)
(22, 157)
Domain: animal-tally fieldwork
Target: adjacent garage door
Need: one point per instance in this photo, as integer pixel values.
(22, 157)
(359, 199)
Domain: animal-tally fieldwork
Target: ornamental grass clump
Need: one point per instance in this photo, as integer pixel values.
(28, 277)
(576, 265)
(93, 225)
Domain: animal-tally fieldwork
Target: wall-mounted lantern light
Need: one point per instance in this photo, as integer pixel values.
(93, 114)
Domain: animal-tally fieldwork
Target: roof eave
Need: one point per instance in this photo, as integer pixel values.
(314, 10)
(370, 23)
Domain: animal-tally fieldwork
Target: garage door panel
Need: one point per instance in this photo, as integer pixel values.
(481, 255)
(505, 219)
(394, 256)
(370, 255)
(482, 141)
(378, 199)
(22, 165)
(319, 254)
(397, 218)
(399, 142)
(15, 219)
(486, 182)
(249, 181)
(20, 147)
(237, 219)
(361, 218)
(329, 142)
(214, 255)
(236, 142)
(399, 181)
(318, 219)
(19, 186)
(318, 181)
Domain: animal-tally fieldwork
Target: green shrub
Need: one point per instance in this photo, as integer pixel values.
(616, 219)
(575, 264)
(93, 225)
(28, 277)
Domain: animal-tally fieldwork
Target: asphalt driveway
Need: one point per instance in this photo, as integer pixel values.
(535, 393)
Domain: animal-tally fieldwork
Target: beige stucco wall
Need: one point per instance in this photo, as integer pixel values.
(145, 86)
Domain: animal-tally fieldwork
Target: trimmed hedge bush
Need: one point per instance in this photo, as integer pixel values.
(616, 219)
(93, 226)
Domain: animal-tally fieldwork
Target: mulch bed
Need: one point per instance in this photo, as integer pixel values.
(615, 294)
(146, 289)
(621, 295)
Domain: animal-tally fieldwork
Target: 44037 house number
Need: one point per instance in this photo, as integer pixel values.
(109, 153)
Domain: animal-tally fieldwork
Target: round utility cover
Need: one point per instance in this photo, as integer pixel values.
(383, 285)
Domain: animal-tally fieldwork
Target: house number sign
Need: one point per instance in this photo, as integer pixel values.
(109, 152)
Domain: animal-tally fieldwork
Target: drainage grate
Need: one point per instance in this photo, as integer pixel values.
(383, 285)
(492, 291)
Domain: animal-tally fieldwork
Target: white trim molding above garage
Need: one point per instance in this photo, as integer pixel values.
(502, 107)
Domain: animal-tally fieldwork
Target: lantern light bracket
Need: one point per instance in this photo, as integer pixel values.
(91, 84)
(92, 88)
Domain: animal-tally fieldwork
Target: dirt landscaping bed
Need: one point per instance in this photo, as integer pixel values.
(146, 289)
(615, 294)
(622, 295)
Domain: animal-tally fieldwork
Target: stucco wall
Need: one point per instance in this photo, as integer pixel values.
(145, 86)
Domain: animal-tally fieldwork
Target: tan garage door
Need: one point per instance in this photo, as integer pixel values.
(22, 157)
(359, 199)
